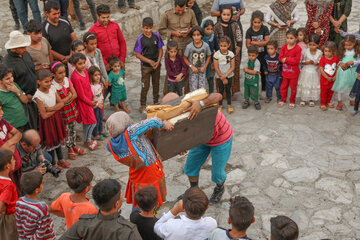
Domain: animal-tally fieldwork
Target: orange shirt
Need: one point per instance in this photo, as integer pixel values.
(71, 210)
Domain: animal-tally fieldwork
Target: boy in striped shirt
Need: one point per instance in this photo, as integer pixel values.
(33, 220)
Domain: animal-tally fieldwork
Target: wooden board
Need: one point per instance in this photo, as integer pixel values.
(186, 134)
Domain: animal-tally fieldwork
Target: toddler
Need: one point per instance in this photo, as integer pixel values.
(251, 82)
(273, 68)
(302, 38)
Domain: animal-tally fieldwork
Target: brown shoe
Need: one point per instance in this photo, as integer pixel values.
(134, 7)
(123, 10)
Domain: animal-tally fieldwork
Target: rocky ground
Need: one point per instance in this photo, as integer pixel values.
(303, 163)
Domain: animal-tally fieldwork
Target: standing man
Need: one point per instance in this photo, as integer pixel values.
(21, 10)
(24, 73)
(58, 32)
(175, 25)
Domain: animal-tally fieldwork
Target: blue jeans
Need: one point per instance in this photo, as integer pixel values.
(49, 157)
(21, 10)
(88, 129)
(121, 3)
(219, 156)
(99, 121)
(273, 80)
(64, 5)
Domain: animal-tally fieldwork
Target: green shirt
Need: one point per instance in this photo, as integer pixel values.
(253, 79)
(13, 109)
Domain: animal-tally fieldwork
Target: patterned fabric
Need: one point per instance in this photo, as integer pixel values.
(69, 112)
(71, 134)
(197, 80)
(283, 11)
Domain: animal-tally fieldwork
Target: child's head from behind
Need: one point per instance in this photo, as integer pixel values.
(314, 41)
(224, 44)
(272, 47)
(291, 37)
(147, 26)
(114, 63)
(79, 179)
(329, 49)
(208, 27)
(78, 61)
(241, 213)
(195, 203)
(31, 183)
(6, 76)
(257, 19)
(147, 198)
(226, 13)
(90, 41)
(283, 228)
(78, 47)
(34, 30)
(7, 162)
(44, 79)
(58, 71)
(94, 75)
(107, 195)
(302, 35)
(253, 52)
(172, 49)
(197, 34)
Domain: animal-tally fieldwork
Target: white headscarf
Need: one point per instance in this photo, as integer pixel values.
(117, 123)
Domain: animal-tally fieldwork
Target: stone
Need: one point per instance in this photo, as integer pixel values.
(332, 214)
(315, 235)
(339, 190)
(357, 188)
(250, 192)
(306, 175)
(273, 192)
(270, 158)
(301, 218)
(353, 217)
(265, 218)
(339, 229)
(235, 177)
(280, 182)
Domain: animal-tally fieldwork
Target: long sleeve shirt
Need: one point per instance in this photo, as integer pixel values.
(98, 61)
(291, 65)
(174, 68)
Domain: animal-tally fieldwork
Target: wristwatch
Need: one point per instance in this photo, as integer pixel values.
(19, 93)
(190, 66)
(202, 104)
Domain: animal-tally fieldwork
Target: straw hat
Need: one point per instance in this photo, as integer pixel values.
(17, 40)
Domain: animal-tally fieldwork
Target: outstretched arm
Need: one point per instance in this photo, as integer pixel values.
(196, 108)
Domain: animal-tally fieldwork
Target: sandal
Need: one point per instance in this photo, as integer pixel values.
(330, 105)
(123, 10)
(339, 107)
(78, 138)
(71, 154)
(59, 167)
(98, 137)
(230, 110)
(267, 100)
(323, 107)
(311, 104)
(92, 145)
(302, 104)
(291, 105)
(354, 112)
(281, 104)
(64, 163)
(134, 7)
(79, 151)
(220, 108)
(352, 102)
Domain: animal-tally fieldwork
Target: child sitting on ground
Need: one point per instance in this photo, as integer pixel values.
(147, 199)
(192, 225)
(241, 216)
(8, 196)
(39, 225)
(73, 205)
(283, 228)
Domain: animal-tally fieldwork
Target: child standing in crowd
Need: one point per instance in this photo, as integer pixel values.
(224, 63)
(85, 99)
(290, 55)
(94, 55)
(258, 35)
(197, 56)
(355, 92)
(229, 27)
(147, 200)
(192, 4)
(251, 82)
(309, 79)
(73, 205)
(51, 125)
(241, 216)
(349, 51)
(176, 69)
(69, 112)
(328, 68)
(191, 226)
(97, 90)
(283, 228)
(78, 47)
(302, 38)
(8, 196)
(211, 39)
(40, 224)
(273, 69)
(117, 83)
(148, 48)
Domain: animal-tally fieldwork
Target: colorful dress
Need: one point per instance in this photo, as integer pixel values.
(133, 149)
(345, 79)
(118, 89)
(309, 79)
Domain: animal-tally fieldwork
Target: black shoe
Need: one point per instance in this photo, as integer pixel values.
(82, 26)
(246, 104)
(257, 106)
(217, 194)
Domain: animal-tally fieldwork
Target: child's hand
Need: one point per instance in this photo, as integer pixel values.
(283, 60)
(156, 65)
(266, 73)
(245, 69)
(106, 84)
(203, 69)
(311, 62)
(350, 63)
(101, 105)
(93, 104)
(225, 81)
(178, 208)
(343, 66)
(194, 69)
(212, 67)
(178, 77)
(152, 63)
(168, 126)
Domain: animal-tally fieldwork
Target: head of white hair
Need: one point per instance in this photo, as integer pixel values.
(117, 123)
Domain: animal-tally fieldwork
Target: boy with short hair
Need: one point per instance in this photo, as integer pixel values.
(8, 196)
(251, 82)
(73, 205)
(192, 225)
(241, 216)
(147, 199)
(108, 223)
(39, 48)
(283, 228)
(148, 48)
(33, 220)
(272, 70)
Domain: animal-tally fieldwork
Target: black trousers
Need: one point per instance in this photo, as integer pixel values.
(226, 88)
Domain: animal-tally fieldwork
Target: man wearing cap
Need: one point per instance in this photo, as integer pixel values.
(24, 73)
